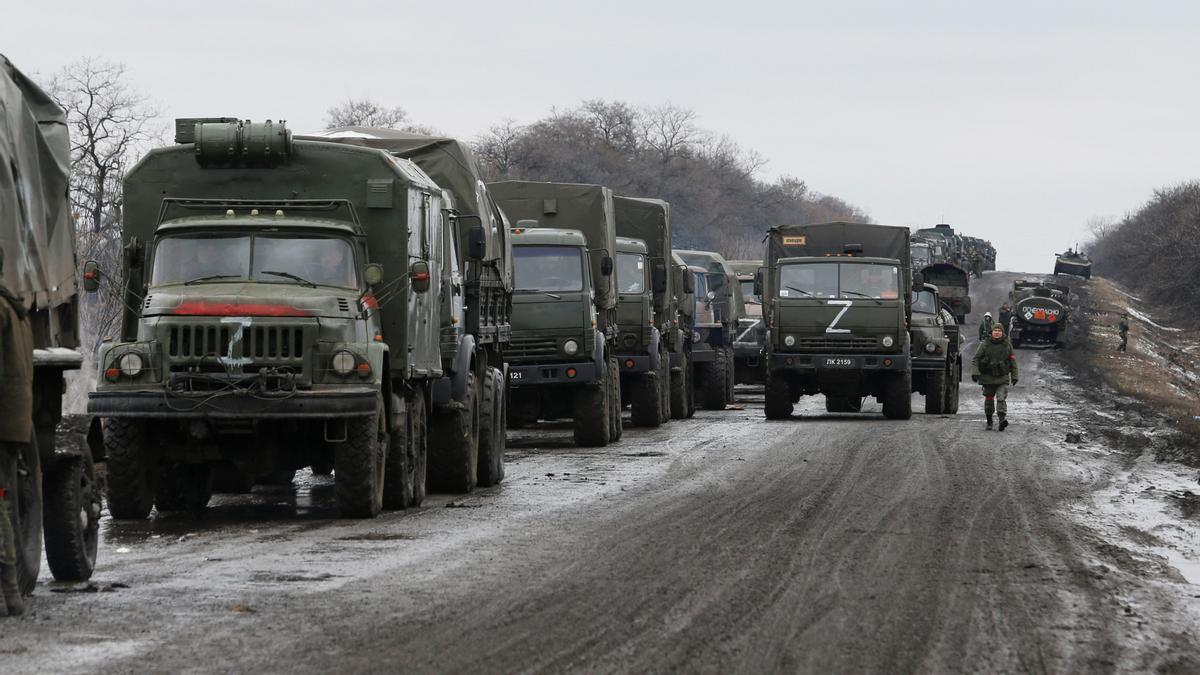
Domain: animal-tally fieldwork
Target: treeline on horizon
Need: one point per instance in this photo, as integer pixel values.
(719, 199)
(1154, 252)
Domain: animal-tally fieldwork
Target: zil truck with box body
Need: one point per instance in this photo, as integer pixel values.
(562, 359)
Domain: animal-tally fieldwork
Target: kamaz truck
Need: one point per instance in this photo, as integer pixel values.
(647, 314)
(562, 359)
(468, 403)
(751, 331)
(713, 337)
(837, 298)
(936, 338)
(55, 492)
(283, 303)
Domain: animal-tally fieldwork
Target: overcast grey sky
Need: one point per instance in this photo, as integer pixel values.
(1017, 121)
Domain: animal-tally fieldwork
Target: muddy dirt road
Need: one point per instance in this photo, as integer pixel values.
(726, 543)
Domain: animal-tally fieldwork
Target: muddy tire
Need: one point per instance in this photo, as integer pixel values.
(592, 415)
(713, 384)
(778, 399)
(690, 391)
(616, 405)
(679, 387)
(130, 486)
(454, 447)
(492, 429)
(664, 386)
(646, 401)
(935, 392)
(730, 374)
(25, 516)
(404, 476)
(183, 487)
(72, 517)
(952, 388)
(843, 404)
(359, 463)
(897, 397)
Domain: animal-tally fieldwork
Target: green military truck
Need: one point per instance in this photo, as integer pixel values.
(282, 309)
(713, 336)
(55, 494)
(562, 358)
(837, 299)
(936, 337)
(468, 404)
(751, 331)
(683, 283)
(647, 315)
(954, 287)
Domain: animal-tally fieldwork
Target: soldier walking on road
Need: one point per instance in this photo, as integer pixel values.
(985, 326)
(1123, 330)
(1006, 316)
(16, 429)
(994, 366)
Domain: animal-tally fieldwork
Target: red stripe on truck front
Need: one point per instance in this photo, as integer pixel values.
(206, 308)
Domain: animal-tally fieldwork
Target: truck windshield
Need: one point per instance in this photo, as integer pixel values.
(548, 268)
(924, 302)
(274, 258)
(748, 293)
(920, 257)
(631, 272)
(839, 280)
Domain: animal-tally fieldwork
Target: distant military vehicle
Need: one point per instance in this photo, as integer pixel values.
(1040, 313)
(284, 308)
(837, 299)
(751, 331)
(712, 348)
(683, 394)
(56, 494)
(954, 287)
(1073, 262)
(936, 360)
(563, 360)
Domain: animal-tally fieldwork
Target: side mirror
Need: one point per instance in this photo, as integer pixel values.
(689, 282)
(418, 276)
(372, 274)
(476, 242)
(606, 265)
(658, 276)
(758, 283)
(91, 276)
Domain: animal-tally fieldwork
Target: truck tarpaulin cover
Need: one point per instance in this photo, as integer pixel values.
(452, 165)
(799, 241)
(650, 221)
(569, 206)
(36, 229)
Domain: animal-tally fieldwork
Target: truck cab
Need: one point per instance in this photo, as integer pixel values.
(641, 353)
(751, 330)
(936, 361)
(712, 348)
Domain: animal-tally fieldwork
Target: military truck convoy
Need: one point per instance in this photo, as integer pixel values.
(54, 493)
(751, 332)
(715, 328)
(1040, 313)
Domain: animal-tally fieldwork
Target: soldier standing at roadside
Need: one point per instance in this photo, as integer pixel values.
(985, 326)
(993, 367)
(1123, 330)
(16, 429)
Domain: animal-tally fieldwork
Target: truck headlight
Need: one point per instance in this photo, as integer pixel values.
(930, 347)
(130, 364)
(570, 347)
(790, 340)
(888, 341)
(343, 362)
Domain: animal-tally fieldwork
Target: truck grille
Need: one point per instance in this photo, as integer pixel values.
(820, 344)
(533, 348)
(261, 343)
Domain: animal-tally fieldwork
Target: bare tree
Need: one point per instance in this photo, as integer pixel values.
(354, 112)
(498, 148)
(670, 131)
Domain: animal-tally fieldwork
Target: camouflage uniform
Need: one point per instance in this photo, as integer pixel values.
(1123, 329)
(985, 327)
(1006, 316)
(994, 366)
(16, 429)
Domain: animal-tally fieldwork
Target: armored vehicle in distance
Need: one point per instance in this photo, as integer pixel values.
(1073, 262)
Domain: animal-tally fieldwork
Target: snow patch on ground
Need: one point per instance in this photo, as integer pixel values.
(1146, 319)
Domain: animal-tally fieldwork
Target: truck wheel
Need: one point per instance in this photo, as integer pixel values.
(492, 429)
(72, 525)
(935, 392)
(404, 478)
(647, 401)
(778, 399)
(730, 374)
(593, 415)
(614, 376)
(358, 465)
(689, 389)
(678, 394)
(183, 487)
(713, 384)
(664, 387)
(454, 452)
(897, 397)
(952, 387)
(127, 469)
(25, 516)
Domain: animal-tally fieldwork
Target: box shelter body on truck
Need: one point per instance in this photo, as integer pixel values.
(37, 236)
(712, 351)
(646, 310)
(751, 331)
(837, 299)
(562, 361)
(476, 313)
(283, 303)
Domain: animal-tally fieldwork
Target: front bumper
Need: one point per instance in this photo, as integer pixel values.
(928, 363)
(822, 364)
(554, 373)
(343, 402)
(635, 363)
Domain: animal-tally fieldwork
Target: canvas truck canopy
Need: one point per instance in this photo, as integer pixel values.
(569, 206)
(452, 165)
(650, 221)
(37, 231)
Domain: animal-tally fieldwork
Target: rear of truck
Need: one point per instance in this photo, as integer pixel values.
(954, 287)
(1040, 313)
(562, 359)
(837, 298)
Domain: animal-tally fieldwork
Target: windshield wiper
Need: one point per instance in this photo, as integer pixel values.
(793, 288)
(210, 278)
(289, 275)
(861, 295)
(553, 295)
